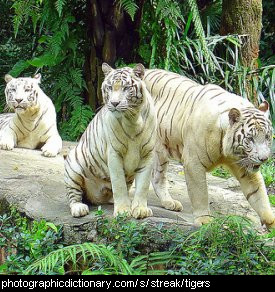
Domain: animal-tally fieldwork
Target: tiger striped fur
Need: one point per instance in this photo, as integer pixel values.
(116, 148)
(33, 125)
(203, 127)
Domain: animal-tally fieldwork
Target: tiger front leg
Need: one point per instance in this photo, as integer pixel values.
(74, 184)
(142, 182)
(253, 187)
(122, 202)
(8, 139)
(160, 183)
(52, 146)
(195, 175)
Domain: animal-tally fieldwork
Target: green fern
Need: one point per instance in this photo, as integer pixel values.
(99, 259)
(80, 254)
(129, 6)
(59, 4)
(200, 32)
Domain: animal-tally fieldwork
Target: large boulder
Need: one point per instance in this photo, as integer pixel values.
(34, 184)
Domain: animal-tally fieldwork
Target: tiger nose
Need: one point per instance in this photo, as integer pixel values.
(115, 103)
(18, 100)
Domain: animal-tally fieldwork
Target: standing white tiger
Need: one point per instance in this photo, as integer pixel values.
(205, 126)
(33, 125)
(116, 148)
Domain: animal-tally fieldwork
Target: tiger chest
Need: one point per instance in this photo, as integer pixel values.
(32, 137)
(135, 156)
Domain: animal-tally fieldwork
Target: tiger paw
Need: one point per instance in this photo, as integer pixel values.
(6, 144)
(49, 150)
(270, 224)
(173, 205)
(141, 212)
(122, 210)
(79, 209)
(203, 220)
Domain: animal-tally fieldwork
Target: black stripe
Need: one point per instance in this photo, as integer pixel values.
(252, 193)
(138, 170)
(152, 72)
(186, 93)
(20, 120)
(14, 133)
(212, 97)
(167, 96)
(47, 130)
(78, 162)
(76, 183)
(19, 129)
(118, 138)
(155, 81)
(172, 119)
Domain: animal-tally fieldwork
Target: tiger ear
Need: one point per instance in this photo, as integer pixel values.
(8, 78)
(37, 77)
(139, 71)
(234, 116)
(106, 69)
(264, 106)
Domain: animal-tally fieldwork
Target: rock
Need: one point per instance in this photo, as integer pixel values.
(34, 184)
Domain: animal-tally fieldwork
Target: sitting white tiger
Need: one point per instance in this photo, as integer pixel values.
(205, 126)
(116, 148)
(33, 125)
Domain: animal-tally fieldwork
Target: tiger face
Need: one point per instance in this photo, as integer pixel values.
(21, 93)
(121, 88)
(252, 136)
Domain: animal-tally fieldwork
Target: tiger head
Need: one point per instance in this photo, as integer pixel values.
(122, 88)
(250, 134)
(21, 93)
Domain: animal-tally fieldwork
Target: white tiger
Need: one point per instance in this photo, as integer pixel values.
(33, 125)
(205, 126)
(116, 148)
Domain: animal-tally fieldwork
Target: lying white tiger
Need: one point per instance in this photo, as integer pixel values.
(205, 126)
(116, 148)
(33, 125)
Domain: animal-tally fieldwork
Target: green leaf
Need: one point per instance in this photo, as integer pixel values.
(18, 68)
(52, 226)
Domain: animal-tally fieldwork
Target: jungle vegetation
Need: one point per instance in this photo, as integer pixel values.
(228, 43)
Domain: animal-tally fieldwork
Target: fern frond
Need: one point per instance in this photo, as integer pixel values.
(80, 254)
(149, 264)
(200, 32)
(59, 4)
(129, 6)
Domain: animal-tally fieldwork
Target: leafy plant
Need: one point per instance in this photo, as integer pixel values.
(103, 260)
(221, 172)
(22, 241)
(60, 54)
(129, 6)
(268, 170)
(227, 245)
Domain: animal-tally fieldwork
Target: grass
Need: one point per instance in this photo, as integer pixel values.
(221, 172)
(272, 200)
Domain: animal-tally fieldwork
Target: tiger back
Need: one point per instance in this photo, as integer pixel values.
(116, 148)
(33, 123)
(204, 126)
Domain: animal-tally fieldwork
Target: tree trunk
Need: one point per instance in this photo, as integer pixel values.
(244, 17)
(113, 36)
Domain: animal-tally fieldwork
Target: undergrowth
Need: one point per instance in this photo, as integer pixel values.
(228, 245)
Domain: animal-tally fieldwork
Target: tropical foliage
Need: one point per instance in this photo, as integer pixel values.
(52, 36)
(228, 245)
